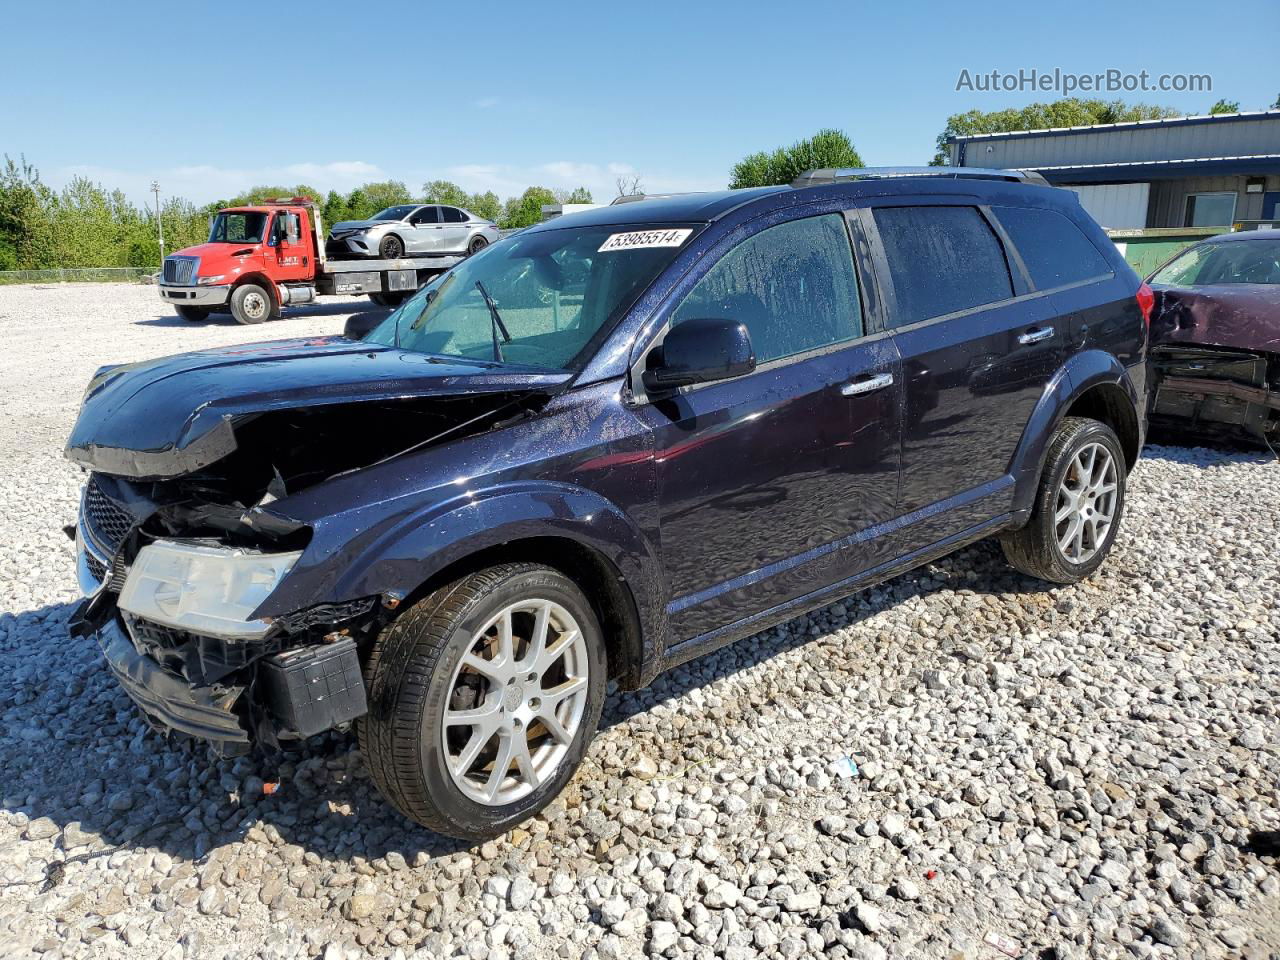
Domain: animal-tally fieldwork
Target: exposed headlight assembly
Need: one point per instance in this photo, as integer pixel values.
(210, 590)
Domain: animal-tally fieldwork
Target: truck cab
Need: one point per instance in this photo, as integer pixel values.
(256, 259)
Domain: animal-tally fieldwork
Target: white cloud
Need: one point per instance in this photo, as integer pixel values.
(510, 180)
(484, 103)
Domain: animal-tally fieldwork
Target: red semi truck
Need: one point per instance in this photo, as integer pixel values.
(261, 258)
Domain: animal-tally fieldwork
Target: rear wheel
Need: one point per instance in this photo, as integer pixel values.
(483, 699)
(391, 248)
(477, 244)
(250, 303)
(194, 314)
(1078, 506)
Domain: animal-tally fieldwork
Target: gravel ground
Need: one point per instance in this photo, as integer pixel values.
(958, 764)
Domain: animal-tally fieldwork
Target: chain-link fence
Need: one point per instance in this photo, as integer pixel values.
(77, 275)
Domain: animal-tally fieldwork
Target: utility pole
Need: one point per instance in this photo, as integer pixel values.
(155, 188)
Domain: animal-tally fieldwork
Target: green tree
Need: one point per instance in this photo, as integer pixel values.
(386, 193)
(334, 209)
(826, 148)
(576, 195)
(526, 210)
(1225, 106)
(444, 191)
(485, 205)
(1067, 112)
(26, 228)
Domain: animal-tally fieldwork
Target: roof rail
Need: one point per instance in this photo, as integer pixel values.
(813, 178)
(637, 197)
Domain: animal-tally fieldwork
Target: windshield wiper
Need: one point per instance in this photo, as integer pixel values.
(495, 322)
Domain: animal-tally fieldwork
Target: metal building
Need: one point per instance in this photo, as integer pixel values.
(1210, 171)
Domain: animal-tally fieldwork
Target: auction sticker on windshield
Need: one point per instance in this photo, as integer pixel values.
(639, 239)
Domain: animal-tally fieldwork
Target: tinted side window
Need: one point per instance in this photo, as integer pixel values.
(1054, 249)
(941, 259)
(792, 285)
(427, 215)
(452, 215)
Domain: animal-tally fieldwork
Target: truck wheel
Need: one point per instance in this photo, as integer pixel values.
(379, 299)
(250, 303)
(391, 248)
(1078, 505)
(194, 314)
(478, 243)
(483, 697)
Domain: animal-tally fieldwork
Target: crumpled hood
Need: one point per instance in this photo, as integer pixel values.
(1245, 316)
(171, 416)
(346, 225)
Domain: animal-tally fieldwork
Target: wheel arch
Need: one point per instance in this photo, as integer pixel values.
(263, 281)
(1091, 384)
(599, 578)
(572, 529)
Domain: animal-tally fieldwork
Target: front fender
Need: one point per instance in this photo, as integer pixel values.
(1081, 373)
(402, 552)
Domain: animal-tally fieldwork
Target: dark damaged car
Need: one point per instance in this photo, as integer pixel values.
(598, 449)
(1216, 340)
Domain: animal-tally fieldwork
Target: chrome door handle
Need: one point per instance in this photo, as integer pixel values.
(858, 387)
(1035, 336)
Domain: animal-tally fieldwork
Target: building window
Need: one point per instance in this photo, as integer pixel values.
(1210, 209)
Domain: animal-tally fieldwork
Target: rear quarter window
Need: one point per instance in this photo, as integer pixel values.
(1054, 249)
(941, 260)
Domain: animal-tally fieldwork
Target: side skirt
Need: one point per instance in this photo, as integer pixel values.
(713, 640)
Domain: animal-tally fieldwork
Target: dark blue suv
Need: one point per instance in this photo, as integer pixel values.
(599, 448)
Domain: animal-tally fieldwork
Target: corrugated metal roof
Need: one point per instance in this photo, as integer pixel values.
(1127, 125)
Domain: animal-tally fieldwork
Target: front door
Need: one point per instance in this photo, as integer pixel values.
(975, 362)
(288, 244)
(770, 484)
(426, 232)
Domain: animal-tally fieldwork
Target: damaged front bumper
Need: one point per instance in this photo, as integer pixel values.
(170, 701)
(1216, 393)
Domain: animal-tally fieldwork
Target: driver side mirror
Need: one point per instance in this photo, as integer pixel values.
(700, 351)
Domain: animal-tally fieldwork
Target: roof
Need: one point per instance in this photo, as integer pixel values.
(677, 208)
(1159, 169)
(1211, 118)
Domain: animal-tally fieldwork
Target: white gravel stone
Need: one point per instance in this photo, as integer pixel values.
(955, 751)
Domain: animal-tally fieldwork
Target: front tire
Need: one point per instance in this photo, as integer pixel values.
(194, 314)
(250, 304)
(1078, 505)
(483, 698)
(391, 248)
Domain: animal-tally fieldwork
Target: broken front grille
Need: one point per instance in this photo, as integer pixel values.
(109, 522)
(179, 270)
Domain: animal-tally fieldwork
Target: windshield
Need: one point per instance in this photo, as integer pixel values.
(238, 228)
(554, 292)
(1234, 261)
(395, 213)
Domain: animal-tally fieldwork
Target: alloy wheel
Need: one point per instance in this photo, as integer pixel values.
(516, 702)
(1086, 503)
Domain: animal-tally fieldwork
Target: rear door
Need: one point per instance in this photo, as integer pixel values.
(772, 485)
(977, 348)
(1068, 268)
(453, 231)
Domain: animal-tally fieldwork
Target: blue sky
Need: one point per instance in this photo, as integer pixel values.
(211, 99)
